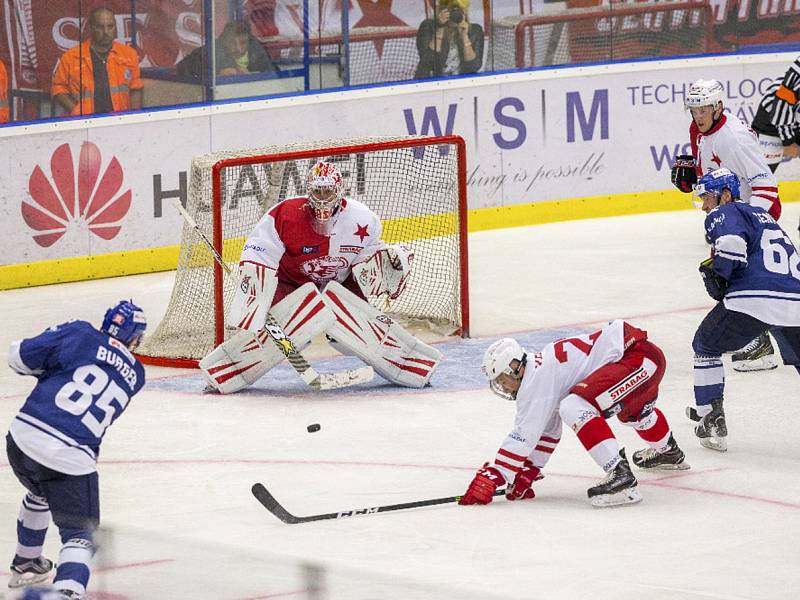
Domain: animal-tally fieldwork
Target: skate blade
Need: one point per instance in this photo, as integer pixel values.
(714, 443)
(629, 496)
(27, 579)
(684, 466)
(760, 364)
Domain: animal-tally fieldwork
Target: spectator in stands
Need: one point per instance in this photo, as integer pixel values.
(449, 44)
(101, 75)
(4, 106)
(236, 52)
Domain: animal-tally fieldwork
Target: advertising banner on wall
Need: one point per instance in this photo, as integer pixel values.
(531, 137)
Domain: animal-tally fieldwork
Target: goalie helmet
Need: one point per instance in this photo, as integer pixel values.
(704, 92)
(125, 322)
(716, 181)
(324, 189)
(497, 361)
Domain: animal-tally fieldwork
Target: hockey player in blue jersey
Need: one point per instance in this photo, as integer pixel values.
(85, 379)
(754, 274)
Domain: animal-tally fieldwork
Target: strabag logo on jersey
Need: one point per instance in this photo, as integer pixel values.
(76, 195)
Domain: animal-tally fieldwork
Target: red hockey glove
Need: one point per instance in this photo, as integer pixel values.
(483, 486)
(521, 488)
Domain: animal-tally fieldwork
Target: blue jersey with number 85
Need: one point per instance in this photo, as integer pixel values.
(85, 380)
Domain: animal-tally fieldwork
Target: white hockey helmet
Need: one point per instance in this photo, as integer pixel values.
(497, 361)
(704, 92)
(324, 189)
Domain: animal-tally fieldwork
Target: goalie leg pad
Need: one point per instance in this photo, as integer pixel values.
(303, 314)
(239, 362)
(364, 331)
(244, 358)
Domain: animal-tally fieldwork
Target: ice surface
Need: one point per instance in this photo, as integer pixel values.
(176, 469)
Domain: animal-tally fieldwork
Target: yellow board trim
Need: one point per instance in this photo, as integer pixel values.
(151, 260)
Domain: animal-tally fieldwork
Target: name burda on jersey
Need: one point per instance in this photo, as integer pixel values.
(116, 361)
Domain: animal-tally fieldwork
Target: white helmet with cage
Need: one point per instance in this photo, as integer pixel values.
(498, 360)
(704, 92)
(324, 190)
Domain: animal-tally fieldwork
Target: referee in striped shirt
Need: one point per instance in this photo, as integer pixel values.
(777, 122)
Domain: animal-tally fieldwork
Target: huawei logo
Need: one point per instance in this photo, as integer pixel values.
(76, 197)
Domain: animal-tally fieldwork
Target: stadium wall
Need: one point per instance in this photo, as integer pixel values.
(90, 198)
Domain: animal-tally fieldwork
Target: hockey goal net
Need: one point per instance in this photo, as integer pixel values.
(416, 185)
(618, 31)
(370, 54)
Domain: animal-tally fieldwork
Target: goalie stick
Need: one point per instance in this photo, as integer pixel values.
(317, 381)
(264, 496)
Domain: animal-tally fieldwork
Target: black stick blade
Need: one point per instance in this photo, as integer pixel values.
(272, 505)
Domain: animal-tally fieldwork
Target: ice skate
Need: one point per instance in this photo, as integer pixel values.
(31, 572)
(618, 487)
(711, 429)
(758, 355)
(671, 459)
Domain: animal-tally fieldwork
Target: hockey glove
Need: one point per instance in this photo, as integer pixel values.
(715, 285)
(521, 488)
(483, 486)
(684, 175)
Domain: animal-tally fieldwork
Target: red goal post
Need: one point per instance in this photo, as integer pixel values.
(416, 185)
(617, 31)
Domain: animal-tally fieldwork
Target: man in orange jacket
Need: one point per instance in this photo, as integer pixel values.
(100, 75)
(4, 111)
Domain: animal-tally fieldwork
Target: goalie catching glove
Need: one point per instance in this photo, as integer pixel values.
(684, 172)
(716, 286)
(385, 272)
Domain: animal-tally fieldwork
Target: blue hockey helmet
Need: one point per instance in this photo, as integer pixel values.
(125, 322)
(716, 181)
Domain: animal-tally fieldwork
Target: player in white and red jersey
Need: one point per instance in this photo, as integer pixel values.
(580, 381)
(722, 140)
(301, 250)
(311, 262)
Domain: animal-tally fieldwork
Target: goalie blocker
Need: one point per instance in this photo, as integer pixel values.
(352, 325)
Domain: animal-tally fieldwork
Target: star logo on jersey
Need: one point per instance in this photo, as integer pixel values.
(76, 196)
(361, 232)
(716, 159)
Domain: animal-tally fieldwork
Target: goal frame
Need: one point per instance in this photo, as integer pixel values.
(576, 15)
(217, 222)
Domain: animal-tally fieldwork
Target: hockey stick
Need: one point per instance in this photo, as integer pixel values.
(264, 496)
(317, 381)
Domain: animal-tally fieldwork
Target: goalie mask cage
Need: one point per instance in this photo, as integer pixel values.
(619, 31)
(416, 185)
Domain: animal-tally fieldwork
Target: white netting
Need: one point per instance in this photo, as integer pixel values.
(619, 31)
(376, 54)
(414, 190)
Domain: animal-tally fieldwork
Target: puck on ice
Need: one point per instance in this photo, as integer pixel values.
(313, 427)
